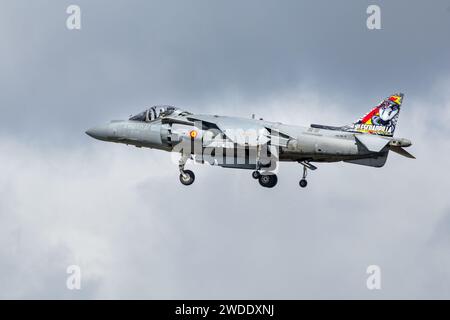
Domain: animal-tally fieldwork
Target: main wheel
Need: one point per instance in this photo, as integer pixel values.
(303, 183)
(187, 177)
(256, 174)
(268, 180)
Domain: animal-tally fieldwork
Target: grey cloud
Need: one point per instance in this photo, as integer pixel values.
(120, 212)
(133, 53)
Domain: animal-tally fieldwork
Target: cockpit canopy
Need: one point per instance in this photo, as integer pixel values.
(155, 112)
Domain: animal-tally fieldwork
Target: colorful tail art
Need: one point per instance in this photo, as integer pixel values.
(383, 118)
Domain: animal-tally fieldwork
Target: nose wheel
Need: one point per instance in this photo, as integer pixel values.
(187, 177)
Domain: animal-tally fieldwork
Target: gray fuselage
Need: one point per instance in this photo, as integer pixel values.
(302, 143)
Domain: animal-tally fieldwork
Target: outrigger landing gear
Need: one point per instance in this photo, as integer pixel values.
(306, 165)
(187, 177)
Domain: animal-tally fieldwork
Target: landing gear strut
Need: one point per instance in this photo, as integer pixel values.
(306, 165)
(303, 183)
(265, 179)
(187, 177)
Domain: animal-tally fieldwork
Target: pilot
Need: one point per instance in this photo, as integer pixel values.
(152, 114)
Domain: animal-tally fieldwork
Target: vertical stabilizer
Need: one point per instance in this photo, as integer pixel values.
(382, 119)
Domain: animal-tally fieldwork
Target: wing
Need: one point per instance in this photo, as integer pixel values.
(247, 132)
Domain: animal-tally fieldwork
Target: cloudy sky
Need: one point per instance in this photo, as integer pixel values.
(120, 212)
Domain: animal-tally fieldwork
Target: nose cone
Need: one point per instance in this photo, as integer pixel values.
(101, 133)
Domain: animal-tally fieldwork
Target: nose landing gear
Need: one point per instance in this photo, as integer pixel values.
(187, 177)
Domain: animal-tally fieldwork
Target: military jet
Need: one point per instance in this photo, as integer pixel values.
(259, 145)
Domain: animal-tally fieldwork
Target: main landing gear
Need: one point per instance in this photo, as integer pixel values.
(187, 177)
(265, 179)
(268, 180)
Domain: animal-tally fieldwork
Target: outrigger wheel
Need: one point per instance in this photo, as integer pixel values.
(187, 177)
(268, 180)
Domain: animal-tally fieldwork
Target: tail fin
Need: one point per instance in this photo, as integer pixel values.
(382, 119)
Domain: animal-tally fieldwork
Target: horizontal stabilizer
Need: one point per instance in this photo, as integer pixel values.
(401, 151)
(373, 143)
